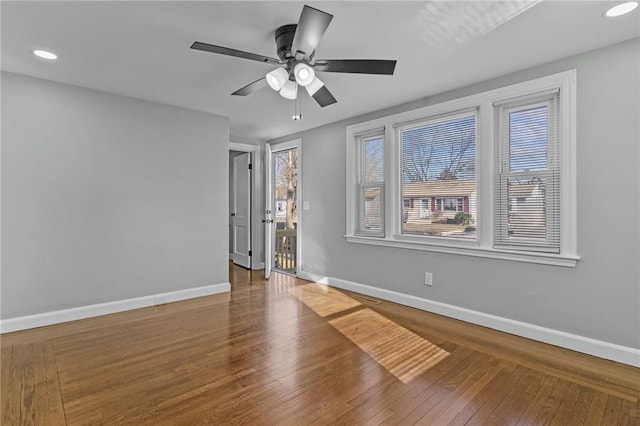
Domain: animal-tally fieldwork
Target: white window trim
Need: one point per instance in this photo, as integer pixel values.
(555, 163)
(482, 246)
(352, 193)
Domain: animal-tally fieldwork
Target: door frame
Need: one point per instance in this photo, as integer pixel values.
(277, 147)
(257, 201)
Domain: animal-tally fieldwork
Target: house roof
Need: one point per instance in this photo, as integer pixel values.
(439, 188)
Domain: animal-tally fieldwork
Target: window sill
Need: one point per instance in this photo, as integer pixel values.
(528, 257)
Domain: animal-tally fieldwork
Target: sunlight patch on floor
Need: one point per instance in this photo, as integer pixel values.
(323, 300)
(402, 352)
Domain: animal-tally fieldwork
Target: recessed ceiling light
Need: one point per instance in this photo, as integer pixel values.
(45, 54)
(621, 9)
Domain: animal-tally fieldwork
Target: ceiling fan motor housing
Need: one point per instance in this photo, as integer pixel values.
(284, 40)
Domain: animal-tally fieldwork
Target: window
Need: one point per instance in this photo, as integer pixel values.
(450, 204)
(527, 174)
(490, 175)
(438, 159)
(370, 185)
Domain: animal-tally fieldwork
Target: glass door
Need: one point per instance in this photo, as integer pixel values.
(282, 218)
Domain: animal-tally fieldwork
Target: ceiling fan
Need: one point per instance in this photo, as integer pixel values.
(296, 46)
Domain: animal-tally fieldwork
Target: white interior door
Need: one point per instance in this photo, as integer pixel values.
(268, 217)
(241, 212)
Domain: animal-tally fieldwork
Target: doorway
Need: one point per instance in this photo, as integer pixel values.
(283, 217)
(240, 208)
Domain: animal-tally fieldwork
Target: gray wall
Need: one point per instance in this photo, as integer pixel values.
(600, 298)
(106, 197)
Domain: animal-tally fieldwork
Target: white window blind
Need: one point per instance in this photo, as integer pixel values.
(370, 185)
(527, 174)
(438, 176)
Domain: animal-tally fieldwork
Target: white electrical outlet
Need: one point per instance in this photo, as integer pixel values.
(428, 278)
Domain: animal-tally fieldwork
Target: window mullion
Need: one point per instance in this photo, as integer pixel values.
(484, 173)
(568, 207)
(391, 181)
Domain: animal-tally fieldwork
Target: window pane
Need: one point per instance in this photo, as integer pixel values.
(528, 139)
(527, 208)
(373, 160)
(370, 202)
(372, 209)
(439, 172)
(527, 197)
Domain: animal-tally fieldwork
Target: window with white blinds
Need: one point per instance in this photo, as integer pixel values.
(438, 176)
(370, 185)
(527, 174)
(492, 174)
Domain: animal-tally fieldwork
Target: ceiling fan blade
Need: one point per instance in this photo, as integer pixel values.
(233, 52)
(311, 26)
(324, 97)
(251, 87)
(359, 66)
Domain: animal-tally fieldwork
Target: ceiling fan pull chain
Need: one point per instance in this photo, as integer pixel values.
(297, 109)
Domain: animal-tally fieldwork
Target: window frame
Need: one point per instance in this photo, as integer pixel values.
(442, 201)
(360, 187)
(484, 103)
(504, 173)
(441, 116)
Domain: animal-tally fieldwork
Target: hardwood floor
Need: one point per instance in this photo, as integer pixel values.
(291, 352)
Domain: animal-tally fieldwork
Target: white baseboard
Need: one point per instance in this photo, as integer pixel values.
(611, 351)
(82, 312)
(258, 265)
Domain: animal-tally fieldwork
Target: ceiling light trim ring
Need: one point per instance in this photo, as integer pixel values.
(621, 9)
(45, 54)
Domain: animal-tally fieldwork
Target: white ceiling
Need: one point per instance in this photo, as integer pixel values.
(141, 49)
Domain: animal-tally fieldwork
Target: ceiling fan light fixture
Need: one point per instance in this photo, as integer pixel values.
(304, 74)
(315, 85)
(289, 90)
(621, 9)
(277, 78)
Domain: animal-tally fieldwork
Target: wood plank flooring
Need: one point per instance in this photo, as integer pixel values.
(290, 352)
